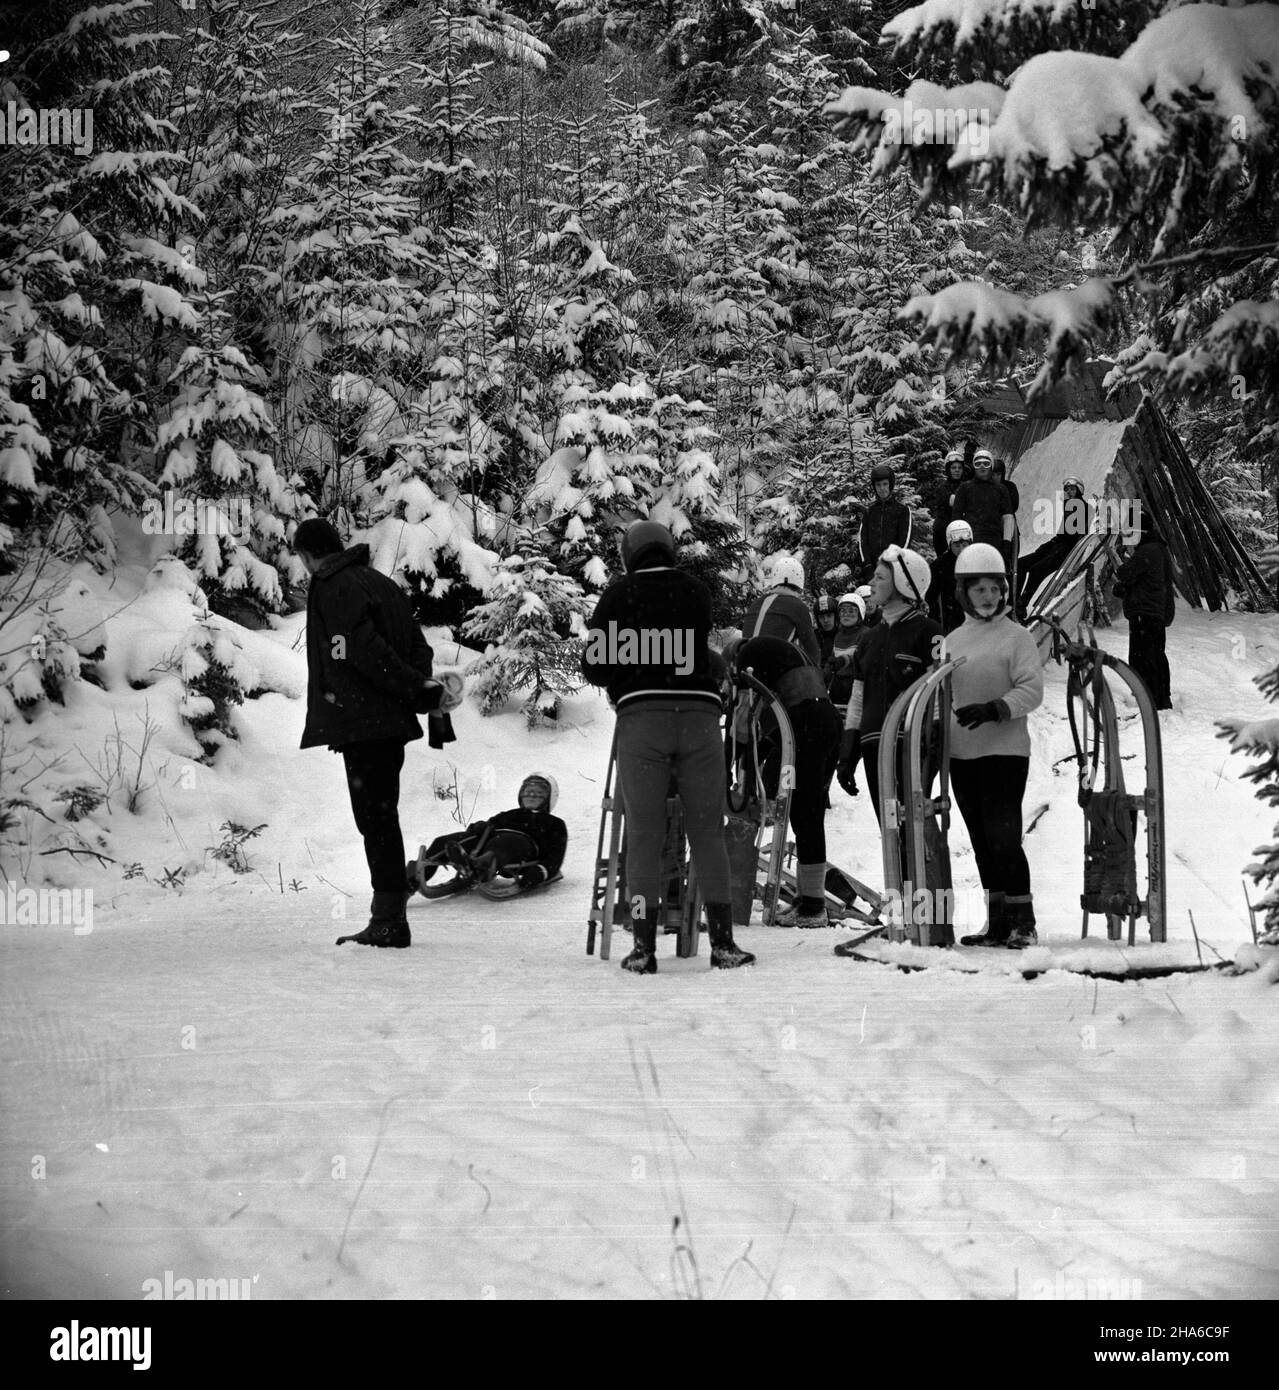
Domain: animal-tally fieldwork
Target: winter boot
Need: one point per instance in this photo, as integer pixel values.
(805, 912)
(1021, 923)
(643, 957)
(726, 954)
(996, 933)
(388, 922)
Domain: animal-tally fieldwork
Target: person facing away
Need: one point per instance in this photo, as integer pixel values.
(536, 862)
(943, 607)
(780, 611)
(900, 650)
(368, 676)
(984, 503)
(1145, 583)
(668, 728)
(886, 522)
(1000, 682)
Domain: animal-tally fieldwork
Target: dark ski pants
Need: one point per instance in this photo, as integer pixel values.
(989, 793)
(658, 740)
(1039, 564)
(816, 727)
(1147, 655)
(373, 780)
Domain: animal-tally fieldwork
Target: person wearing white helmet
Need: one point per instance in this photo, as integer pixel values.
(1040, 564)
(941, 593)
(780, 611)
(904, 645)
(984, 503)
(956, 471)
(998, 685)
(849, 635)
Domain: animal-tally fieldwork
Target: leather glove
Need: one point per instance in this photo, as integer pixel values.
(991, 712)
(427, 698)
(847, 775)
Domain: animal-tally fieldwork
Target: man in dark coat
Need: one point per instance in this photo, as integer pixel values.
(887, 522)
(984, 503)
(368, 671)
(1144, 582)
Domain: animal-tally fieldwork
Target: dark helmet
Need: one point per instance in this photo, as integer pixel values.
(647, 544)
(825, 604)
(882, 472)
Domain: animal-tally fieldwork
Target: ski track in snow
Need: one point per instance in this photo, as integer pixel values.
(217, 1091)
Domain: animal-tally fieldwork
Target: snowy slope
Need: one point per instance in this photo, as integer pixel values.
(202, 1084)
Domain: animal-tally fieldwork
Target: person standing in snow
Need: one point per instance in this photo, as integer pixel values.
(900, 650)
(368, 676)
(668, 726)
(1145, 583)
(886, 522)
(983, 502)
(824, 622)
(816, 728)
(547, 836)
(780, 611)
(942, 606)
(849, 635)
(944, 504)
(1000, 682)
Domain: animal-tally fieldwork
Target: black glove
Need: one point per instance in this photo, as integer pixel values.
(427, 697)
(847, 775)
(991, 712)
(529, 875)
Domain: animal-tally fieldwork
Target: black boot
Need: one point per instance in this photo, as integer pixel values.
(1021, 923)
(996, 933)
(726, 954)
(388, 922)
(643, 957)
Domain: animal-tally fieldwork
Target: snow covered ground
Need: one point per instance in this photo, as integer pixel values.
(201, 1086)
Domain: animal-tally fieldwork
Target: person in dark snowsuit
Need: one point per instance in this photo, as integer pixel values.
(886, 522)
(984, 503)
(944, 503)
(815, 726)
(368, 676)
(900, 650)
(1000, 681)
(532, 864)
(943, 607)
(668, 725)
(1048, 558)
(1145, 583)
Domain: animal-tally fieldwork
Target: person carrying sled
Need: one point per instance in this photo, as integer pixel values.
(368, 676)
(815, 726)
(668, 725)
(780, 611)
(942, 605)
(1145, 583)
(998, 685)
(886, 522)
(984, 503)
(1047, 559)
(900, 650)
(524, 846)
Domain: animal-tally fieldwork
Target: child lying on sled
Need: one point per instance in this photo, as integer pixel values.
(510, 852)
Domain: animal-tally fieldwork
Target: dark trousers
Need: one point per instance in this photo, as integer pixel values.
(989, 793)
(373, 780)
(1039, 564)
(1147, 655)
(658, 741)
(816, 727)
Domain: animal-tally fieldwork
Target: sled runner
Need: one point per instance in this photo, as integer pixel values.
(490, 868)
(1106, 963)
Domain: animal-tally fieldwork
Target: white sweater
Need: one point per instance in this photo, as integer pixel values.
(1003, 664)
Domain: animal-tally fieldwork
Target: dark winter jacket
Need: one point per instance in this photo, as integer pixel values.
(943, 512)
(891, 660)
(548, 833)
(885, 523)
(783, 669)
(983, 505)
(1145, 583)
(783, 613)
(367, 660)
(645, 627)
(839, 671)
(943, 606)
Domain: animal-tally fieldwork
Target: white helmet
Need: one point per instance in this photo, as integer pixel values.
(911, 572)
(787, 570)
(857, 602)
(983, 456)
(980, 561)
(958, 531)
